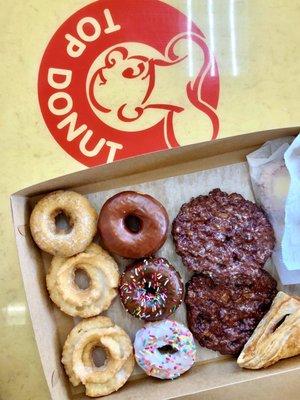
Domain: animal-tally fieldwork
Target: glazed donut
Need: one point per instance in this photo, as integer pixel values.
(103, 274)
(82, 219)
(150, 220)
(273, 187)
(78, 360)
(165, 349)
(151, 289)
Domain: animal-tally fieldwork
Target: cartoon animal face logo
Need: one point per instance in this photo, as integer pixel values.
(129, 89)
(123, 78)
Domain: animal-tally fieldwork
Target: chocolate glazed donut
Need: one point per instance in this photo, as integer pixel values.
(133, 225)
(151, 289)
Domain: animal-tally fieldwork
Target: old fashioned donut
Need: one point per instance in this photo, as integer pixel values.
(82, 218)
(102, 272)
(133, 225)
(165, 349)
(151, 289)
(78, 359)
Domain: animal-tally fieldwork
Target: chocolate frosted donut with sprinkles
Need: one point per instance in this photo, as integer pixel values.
(151, 289)
(165, 349)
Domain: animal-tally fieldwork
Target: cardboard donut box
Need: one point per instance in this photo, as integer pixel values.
(219, 378)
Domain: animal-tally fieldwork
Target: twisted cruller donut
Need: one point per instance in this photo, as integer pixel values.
(78, 361)
(103, 274)
(82, 219)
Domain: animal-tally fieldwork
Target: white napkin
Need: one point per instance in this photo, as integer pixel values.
(272, 192)
(291, 237)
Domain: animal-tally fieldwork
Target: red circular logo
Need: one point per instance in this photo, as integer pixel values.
(121, 78)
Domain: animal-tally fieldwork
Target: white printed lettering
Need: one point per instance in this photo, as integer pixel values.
(83, 35)
(59, 72)
(60, 96)
(111, 26)
(112, 151)
(71, 120)
(75, 47)
(96, 150)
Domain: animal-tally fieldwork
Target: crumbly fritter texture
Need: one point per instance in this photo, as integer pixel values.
(223, 314)
(220, 229)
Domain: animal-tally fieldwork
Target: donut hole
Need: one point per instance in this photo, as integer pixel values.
(98, 356)
(167, 349)
(63, 223)
(81, 279)
(150, 289)
(133, 223)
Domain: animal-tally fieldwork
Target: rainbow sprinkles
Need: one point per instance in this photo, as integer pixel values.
(165, 349)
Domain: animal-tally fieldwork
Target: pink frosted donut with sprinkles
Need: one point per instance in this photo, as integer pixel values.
(165, 349)
(151, 289)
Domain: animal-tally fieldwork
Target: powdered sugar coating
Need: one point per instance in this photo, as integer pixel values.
(152, 339)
